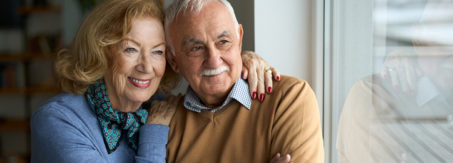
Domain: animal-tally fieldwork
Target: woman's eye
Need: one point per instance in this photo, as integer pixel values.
(158, 52)
(130, 50)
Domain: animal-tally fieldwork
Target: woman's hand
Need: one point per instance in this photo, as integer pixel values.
(278, 159)
(161, 112)
(259, 74)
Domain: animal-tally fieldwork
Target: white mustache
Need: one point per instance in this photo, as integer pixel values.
(212, 72)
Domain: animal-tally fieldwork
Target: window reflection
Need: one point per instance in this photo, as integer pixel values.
(404, 112)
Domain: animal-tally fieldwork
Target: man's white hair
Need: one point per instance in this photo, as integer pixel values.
(181, 6)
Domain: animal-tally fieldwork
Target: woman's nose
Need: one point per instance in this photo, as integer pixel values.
(144, 64)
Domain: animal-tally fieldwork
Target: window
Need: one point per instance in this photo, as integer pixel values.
(388, 69)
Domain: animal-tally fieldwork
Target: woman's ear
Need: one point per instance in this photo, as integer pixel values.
(170, 56)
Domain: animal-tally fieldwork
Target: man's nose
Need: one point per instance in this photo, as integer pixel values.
(144, 63)
(213, 58)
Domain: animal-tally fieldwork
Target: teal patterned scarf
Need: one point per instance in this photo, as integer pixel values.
(113, 122)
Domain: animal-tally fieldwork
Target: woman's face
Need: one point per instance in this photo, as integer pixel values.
(138, 64)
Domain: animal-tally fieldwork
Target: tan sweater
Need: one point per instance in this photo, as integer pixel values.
(287, 122)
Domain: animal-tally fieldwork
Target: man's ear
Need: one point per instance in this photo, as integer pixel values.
(170, 56)
(240, 35)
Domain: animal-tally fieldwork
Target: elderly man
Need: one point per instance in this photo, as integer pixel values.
(217, 121)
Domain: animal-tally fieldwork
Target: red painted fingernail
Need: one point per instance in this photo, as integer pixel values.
(254, 95)
(262, 97)
(269, 89)
(278, 78)
(243, 75)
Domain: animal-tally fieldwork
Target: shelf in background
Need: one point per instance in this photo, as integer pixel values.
(39, 9)
(14, 157)
(29, 91)
(11, 57)
(12, 91)
(42, 90)
(17, 158)
(14, 125)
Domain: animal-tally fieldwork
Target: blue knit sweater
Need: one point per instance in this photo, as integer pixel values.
(65, 129)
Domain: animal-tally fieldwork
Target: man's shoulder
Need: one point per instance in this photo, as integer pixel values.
(289, 92)
(294, 94)
(290, 83)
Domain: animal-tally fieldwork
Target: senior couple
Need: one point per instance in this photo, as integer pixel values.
(114, 109)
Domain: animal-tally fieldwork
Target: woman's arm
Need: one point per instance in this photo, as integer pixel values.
(59, 136)
(56, 138)
(152, 143)
(154, 135)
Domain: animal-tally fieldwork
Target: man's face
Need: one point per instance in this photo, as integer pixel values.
(207, 51)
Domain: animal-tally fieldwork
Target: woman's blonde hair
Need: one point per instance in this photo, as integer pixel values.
(108, 23)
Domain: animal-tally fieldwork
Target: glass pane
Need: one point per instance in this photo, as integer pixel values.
(403, 110)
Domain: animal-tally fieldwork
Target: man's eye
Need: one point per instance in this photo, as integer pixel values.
(196, 48)
(130, 50)
(158, 52)
(223, 42)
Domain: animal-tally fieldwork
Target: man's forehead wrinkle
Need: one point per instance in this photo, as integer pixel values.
(192, 41)
(225, 33)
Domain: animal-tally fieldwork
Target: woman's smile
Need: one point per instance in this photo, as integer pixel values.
(140, 83)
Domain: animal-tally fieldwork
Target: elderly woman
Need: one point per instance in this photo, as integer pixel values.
(116, 64)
